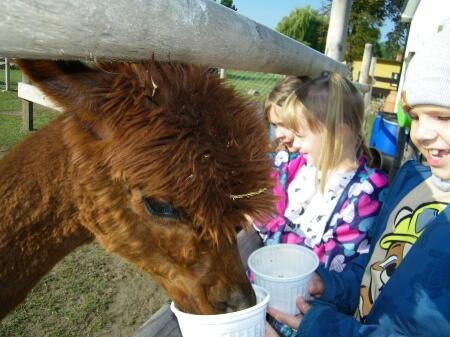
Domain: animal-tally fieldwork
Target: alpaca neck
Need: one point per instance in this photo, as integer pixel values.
(38, 221)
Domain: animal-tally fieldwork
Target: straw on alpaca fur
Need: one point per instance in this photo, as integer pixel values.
(166, 131)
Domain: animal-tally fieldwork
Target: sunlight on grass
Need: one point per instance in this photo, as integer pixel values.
(11, 131)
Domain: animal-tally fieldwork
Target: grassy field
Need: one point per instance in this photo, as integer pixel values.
(255, 85)
(90, 293)
(15, 77)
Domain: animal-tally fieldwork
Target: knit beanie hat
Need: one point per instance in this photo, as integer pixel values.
(427, 78)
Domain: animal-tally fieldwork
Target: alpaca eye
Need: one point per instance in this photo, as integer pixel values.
(161, 209)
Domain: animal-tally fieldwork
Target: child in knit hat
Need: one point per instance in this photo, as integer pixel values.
(402, 288)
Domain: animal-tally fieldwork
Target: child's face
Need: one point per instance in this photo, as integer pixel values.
(309, 143)
(430, 132)
(282, 134)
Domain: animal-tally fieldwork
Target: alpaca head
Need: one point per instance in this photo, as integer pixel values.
(165, 163)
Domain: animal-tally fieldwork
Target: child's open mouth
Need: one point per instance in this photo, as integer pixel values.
(437, 157)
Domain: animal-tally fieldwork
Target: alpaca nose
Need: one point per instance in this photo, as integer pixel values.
(239, 301)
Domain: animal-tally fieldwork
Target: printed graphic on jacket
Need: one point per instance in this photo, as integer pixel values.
(409, 224)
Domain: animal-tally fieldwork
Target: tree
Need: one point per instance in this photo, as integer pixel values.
(396, 39)
(366, 19)
(228, 3)
(307, 26)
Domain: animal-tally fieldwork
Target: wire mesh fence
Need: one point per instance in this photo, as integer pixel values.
(253, 85)
(14, 75)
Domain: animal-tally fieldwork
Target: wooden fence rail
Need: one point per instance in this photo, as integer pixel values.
(191, 31)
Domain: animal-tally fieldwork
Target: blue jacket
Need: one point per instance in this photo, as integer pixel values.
(416, 299)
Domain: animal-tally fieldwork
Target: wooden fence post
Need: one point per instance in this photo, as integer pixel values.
(7, 75)
(368, 95)
(27, 110)
(337, 30)
(365, 67)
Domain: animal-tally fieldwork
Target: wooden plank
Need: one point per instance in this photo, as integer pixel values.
(32, 94)
(190, 31)
(162, 324)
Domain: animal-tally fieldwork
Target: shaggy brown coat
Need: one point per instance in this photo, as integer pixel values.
(152, 160)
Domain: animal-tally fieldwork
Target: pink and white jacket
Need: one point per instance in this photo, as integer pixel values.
(347, 232)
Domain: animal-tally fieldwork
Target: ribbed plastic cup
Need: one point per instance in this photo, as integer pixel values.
(284, 270)
(244, 323)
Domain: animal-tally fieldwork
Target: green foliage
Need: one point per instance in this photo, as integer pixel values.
(366, 19)
(307, 26)
(361, 33)
(228, 3)
(396, 39)
(384, 51)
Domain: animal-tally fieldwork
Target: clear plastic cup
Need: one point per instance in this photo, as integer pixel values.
(244, 323)
(284, 270)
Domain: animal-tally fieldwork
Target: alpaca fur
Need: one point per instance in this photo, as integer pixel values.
(166, 131)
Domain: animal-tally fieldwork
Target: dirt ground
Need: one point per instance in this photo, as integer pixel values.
(89, 293)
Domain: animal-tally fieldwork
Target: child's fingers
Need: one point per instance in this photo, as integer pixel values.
(290, 320)
(316, 287)
(302, 305)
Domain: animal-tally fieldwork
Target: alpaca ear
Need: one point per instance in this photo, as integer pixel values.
(66, 83)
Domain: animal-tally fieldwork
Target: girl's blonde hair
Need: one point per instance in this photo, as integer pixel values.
(281, 91)
(327, 103)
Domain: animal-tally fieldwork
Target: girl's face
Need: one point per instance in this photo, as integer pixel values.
(282, 134)
(430, 132)
(309, 143)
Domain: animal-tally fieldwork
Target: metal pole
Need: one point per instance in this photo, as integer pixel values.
(337, 29)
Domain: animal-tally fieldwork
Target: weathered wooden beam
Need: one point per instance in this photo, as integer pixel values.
(364, 79)
(33, 94)
(191, 31)
(337, 30)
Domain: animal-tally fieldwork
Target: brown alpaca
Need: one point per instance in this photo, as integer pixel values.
(158, 162)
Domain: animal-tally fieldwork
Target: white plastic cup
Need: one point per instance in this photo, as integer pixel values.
(284, 270)
(244, 323)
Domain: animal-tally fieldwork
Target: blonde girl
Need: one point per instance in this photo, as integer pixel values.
(333, 199)
(273, 104)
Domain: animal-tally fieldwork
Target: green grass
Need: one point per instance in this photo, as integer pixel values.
(11, 131)
(15, 77)
(9, 101)
(260, 83)
(89, 293)
(10, 112)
